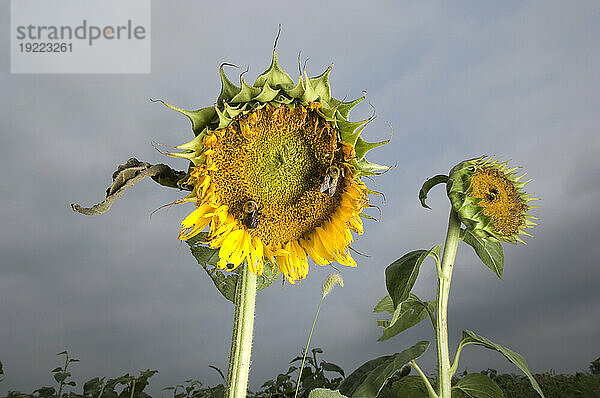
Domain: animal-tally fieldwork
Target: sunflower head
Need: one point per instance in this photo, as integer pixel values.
(276, 168)
(489, 199)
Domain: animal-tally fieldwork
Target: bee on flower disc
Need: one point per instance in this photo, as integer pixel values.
(330, 181)
(251, 213)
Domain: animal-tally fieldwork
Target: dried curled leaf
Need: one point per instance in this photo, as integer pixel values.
(128, 174)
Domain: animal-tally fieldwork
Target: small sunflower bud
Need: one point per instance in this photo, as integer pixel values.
(489, 199)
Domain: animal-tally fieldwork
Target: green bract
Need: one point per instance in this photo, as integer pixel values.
(489, 199)
(276, 87)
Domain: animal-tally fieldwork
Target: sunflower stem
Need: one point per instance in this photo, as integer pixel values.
(441, 314)
(430, 390)
(241, 341)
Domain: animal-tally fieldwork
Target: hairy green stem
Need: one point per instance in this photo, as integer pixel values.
(444, 276)
(430, 389)
(60, 385)
(241, 341)
(456, 357)
(132, 389)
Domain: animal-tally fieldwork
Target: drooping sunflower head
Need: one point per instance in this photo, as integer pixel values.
(276, 170)
(489, 199)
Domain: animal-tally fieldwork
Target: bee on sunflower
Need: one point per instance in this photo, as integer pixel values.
(276, 173)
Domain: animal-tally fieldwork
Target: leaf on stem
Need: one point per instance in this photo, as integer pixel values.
(410, 387)
(331, 367)
(385, 304)
(61, 376)
(225, 281)
(368, 380)
(489, 252)
(427, 185)
(401, 275)
(406, 315)
(476, 385)
(129, 174)
(517, 359)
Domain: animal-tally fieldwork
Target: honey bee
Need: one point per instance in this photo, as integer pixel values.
(330, 181)
(251, 213)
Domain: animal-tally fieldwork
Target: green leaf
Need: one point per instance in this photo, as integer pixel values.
(469, 337)
(217, 391)
(368, 168)
(325, 393)
(427, 185)
(199, 118)
(385, 304)
(351, 383)
(92, 386)
(401, 275)
(407, 314)
(46, 392)
(225, 281)
(476, 385)
(332, 367)
(109, 393)
(61, 376)
(228, 89)
(489, 252)
(410, 387)
(148, 373)
(58, 369)
(208, 258)
(362, 147)
(266, 278)
(368, 380)
(344, 108)
(274, 76)
(321, 84)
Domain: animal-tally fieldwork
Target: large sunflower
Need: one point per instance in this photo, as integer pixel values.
(276, 170)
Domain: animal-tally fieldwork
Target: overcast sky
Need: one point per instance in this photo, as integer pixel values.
(454, 79)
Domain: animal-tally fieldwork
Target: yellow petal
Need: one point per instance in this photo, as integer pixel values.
(345, 259)
(256, 263)
(325, 240)
(230, 244)
(315, 247)
(357, 225)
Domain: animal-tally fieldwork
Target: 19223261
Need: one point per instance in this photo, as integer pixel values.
(46, 47)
